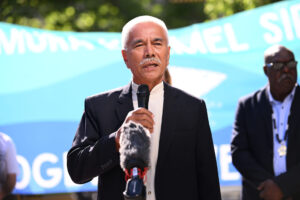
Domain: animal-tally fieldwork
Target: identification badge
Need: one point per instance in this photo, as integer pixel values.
(282, 150)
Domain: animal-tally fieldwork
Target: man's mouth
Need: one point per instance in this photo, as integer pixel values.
(286, 77)
(149, 65)
(154, 62)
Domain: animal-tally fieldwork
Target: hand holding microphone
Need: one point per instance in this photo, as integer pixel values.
(140, 115)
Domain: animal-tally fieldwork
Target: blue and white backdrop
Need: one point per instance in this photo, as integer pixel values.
(45, 76)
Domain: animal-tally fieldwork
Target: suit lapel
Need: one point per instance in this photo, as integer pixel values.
(292, 122)
(168, 123)
(266, 111)
(294, 112)
(124, 103)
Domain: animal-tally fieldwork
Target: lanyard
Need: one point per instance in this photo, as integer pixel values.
(276, 130)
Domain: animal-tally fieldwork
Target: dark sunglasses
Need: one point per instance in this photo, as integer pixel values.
(279, 65)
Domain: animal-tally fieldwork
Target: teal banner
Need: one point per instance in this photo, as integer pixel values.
(46, 75)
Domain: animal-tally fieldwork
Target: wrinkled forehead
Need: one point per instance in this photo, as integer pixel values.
(148, 27)
(278, 54)
(132, 30)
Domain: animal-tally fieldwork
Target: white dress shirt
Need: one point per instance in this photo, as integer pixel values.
(281, 112)
(155, 105)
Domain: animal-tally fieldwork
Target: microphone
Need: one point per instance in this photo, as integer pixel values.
(143, 96)
(134, 159)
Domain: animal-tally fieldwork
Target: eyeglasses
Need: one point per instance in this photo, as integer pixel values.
(279, 65)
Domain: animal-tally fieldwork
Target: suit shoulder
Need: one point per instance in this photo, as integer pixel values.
(253, 97)
(5, 137)
(189, 98)
(107, 95)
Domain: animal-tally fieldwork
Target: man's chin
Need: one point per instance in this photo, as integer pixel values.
(152, 79)
(287, 85)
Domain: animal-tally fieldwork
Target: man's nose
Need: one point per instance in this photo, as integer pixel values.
(149, 51)
(286, 68)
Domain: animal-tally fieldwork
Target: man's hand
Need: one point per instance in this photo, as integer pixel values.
(269, 190)
(141, 116)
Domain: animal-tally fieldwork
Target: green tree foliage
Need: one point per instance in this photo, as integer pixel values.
(111, 15)
(220, 8)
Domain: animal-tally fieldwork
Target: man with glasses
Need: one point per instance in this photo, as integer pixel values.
(266, 133)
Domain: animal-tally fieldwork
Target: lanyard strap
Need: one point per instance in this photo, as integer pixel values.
(276, 130)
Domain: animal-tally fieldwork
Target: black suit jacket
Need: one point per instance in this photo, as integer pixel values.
(252, 145)
(186, 166)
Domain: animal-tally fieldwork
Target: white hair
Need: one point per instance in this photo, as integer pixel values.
(145, 18)
(274, 50)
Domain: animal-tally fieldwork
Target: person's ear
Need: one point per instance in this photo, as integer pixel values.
(266, 71)
(124, 55)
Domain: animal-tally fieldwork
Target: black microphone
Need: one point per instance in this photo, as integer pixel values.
(143, 96)
(134, 159)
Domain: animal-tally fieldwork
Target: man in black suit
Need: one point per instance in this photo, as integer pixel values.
(266, 133)
(182, 158)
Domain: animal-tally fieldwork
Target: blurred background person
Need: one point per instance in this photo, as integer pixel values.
(167, 77)
(265, 140)
(8, 167)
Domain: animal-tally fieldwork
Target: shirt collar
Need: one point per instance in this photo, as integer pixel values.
(157, 89)
(134, 87)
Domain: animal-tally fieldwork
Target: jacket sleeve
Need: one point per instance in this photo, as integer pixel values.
(289, 182)
(242, 158)
(207, 174)
(92, 152)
